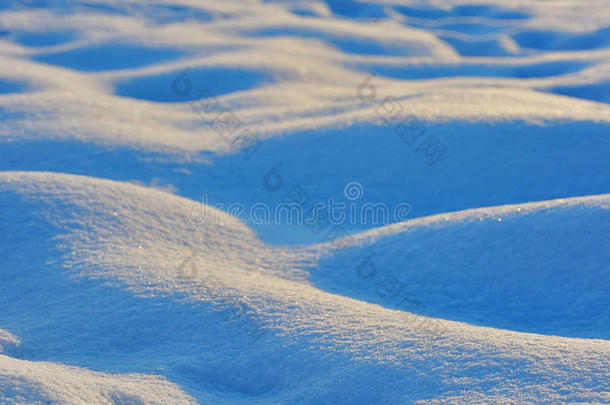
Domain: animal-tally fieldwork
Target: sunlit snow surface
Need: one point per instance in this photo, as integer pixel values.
(116, 286)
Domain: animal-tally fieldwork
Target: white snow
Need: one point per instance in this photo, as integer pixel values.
(494, 289)
(29, 382)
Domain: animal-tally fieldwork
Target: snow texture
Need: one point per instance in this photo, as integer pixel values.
(127, 126)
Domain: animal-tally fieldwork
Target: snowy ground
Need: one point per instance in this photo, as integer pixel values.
(143, 142)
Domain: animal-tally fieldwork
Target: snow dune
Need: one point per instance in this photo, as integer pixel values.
(24, 381)
(105, 248)
(493, 289)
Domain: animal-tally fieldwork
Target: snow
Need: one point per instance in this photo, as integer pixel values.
(24, 381)
(117, 287)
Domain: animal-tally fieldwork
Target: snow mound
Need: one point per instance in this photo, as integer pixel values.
(29, 382)
(535, 267)
(8, 339)
(225, 328)
(129, 128)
